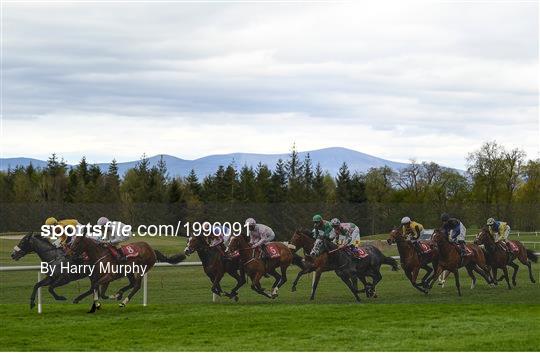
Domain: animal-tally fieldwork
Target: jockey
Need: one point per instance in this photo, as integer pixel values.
(345, 234)
(455, 230)
(259, 235)
(63, 240)
(321, 228)
(412, 231)
(499, 231)
(220, 235)
(113, 233)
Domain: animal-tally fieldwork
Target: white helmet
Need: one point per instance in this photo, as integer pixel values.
(335, 222)
(405, 220)
(490, 221)
(102, 221)
(251, 222)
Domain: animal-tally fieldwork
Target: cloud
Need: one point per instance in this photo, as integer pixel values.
(425, 80)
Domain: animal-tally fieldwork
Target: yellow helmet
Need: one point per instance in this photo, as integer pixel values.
(51, 221)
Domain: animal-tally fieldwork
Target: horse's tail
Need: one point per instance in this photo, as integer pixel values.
(174, 259)
(531, 255)
(387, 260)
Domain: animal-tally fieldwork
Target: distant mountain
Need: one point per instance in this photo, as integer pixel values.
(329, 158)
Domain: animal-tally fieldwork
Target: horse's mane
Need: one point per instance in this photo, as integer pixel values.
(303, 231)
(39, 237)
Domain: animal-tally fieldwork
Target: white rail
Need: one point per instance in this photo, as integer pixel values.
(145, 278)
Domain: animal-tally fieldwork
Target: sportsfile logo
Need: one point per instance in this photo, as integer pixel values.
(117, 229)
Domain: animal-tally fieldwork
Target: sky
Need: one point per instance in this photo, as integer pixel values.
(428, 80)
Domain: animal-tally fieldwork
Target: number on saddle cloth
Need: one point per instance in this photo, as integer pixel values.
(272, 250)
(129, 250)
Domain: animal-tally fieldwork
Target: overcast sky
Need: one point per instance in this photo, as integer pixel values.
(424, 80)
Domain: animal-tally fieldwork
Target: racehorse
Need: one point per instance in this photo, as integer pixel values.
(256, 267)
(216, 263)
(302, 239)
(53, 256)
(497, 257)
(100, 256)
(450, 259)
(326, 257)
(411, 262)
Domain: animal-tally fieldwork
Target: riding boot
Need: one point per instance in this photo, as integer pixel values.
(416, 245)
(462, 249)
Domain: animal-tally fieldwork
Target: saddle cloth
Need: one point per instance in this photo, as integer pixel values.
(130, 250)
(425, 248)
(359, 253)
(511, 246)
(272, 250)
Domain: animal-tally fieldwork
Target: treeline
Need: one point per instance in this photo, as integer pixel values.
(498, 182)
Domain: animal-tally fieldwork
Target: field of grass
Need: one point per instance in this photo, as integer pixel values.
(181, 315)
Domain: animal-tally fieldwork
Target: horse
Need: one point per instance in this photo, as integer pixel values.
(498, 257)
(101, 257)
(326, 257)
(53, 256)
(450, 259)
(256, 267)
(216, 263)
(411, 262)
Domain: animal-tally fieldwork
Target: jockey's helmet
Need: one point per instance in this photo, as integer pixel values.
(490, 221)
(317, 218)
(51, 221)
(405, 220)
(251, 223)
(102, 221)
(335, 222)
(445, 217)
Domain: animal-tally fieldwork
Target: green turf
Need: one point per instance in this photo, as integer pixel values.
(181, 315)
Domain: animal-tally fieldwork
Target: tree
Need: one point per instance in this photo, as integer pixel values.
(279, 183)
(343, 184)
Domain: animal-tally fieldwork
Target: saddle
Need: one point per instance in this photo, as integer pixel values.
(509, 247)
(468, 251)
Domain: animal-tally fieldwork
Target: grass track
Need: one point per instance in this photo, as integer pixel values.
(181, 316)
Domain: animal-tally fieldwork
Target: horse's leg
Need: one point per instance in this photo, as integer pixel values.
(456, 276)
(376, 277)
(103, 290)
(256, 284)
(240, 281)
(436, 274)
(120, 293)
(442, 278)
(505, 271)
(347, 279)
(318, 273)
(484, 272)
(277, 281)
(95, 302)
(515, 268)
(283, 269)
(531, 277)
(137, 280)
(44, 282)
(470, 268)
(494, 275)
(425, 278)
(60, 281)
(306, 270)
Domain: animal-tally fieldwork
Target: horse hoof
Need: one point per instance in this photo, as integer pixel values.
(121, 305)
(61, 298)
(293, 289)
(236, 298)
(75, 301)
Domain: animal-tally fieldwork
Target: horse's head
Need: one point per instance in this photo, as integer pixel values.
(394, 236)
(439, 235)
(298, 239)
(321, 246)
(195, 243)
(24, 247)
(78, 244)
(236, 243)
(484, 237)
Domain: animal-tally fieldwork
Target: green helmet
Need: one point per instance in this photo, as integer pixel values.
(317, 218)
